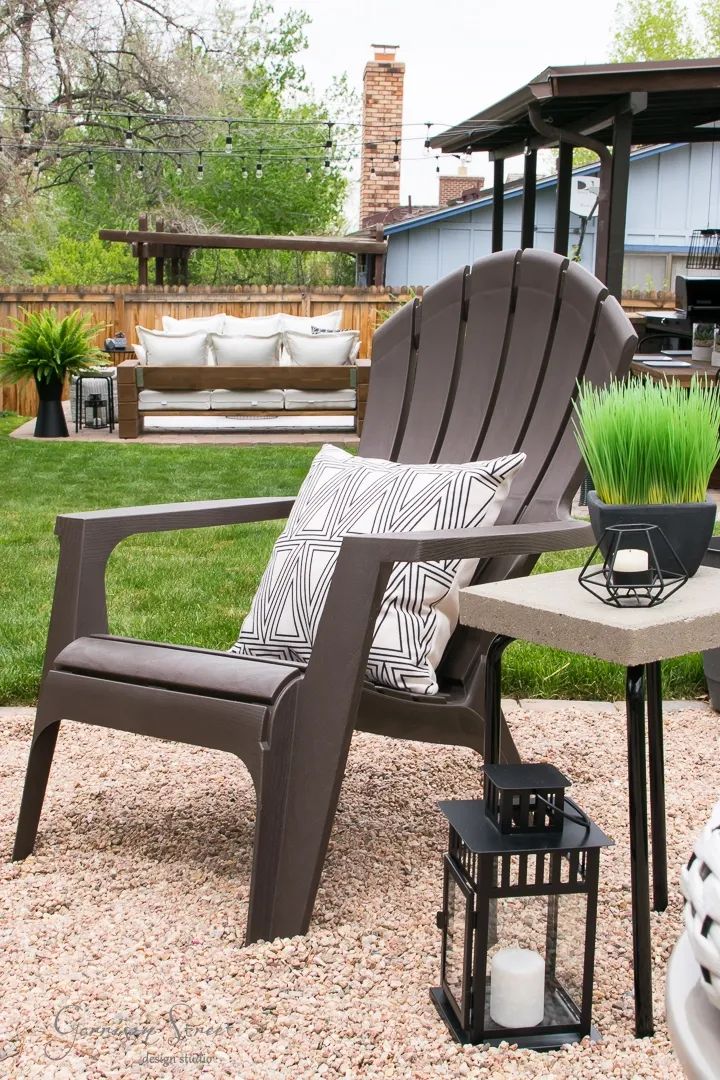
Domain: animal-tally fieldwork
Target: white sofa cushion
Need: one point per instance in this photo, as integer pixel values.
(239, 350)
(354, 352)
(246, 399)
(320, 399)
(173, 399)
(140, 353)
(320, 350)
(345, 495)
(173, 350)
(303, 324)
(254, 324)
(211, 324)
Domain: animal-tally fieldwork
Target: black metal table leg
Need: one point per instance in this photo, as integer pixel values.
(639, 868)
(657, 786)
(493, 711)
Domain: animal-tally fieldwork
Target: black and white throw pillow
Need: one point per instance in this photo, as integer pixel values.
(344, 495)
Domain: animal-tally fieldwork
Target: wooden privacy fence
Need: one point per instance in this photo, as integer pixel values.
(123, 307)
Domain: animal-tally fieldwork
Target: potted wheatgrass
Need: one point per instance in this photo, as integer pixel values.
(650, 448)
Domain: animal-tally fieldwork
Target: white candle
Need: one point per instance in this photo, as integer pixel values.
(630, 561)
(517, 988)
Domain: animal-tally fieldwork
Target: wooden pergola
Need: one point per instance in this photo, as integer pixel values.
(171, 248)
(607, 108)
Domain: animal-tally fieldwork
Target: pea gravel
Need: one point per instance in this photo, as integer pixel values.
(121, 938)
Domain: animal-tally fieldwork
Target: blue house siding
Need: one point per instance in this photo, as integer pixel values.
(672, 190)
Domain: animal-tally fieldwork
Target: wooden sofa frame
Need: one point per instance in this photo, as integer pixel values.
(133, 376)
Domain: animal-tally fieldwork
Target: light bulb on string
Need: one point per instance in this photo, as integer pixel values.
(178, 166)
(396, 156)
(372, 167)
(259, 170)
(140, 171)
(328, 140)
(229, 142)
(244, 172)
(91, 167)
(129, 134)
(308, 171)
(27, 129)
(118, 164)
(437, 164)
(36, 165)
(200, 166)
(427, 138)
(326, 166)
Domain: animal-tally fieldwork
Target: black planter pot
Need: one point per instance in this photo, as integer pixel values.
(50, 422)
(688, 527)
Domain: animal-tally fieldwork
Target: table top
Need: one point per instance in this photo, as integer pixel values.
(682, 375)
(554, 609)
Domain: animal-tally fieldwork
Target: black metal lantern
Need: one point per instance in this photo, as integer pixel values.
(640, 567)
(519, 912)
(95, 411)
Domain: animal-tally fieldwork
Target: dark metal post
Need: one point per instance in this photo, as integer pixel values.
(622, 139)
(562, 201)
(527, 229)
(639, 878)
(498, 205)
(493, 711)
(657, 786)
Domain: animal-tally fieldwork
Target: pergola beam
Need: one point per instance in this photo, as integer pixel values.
(351, 245)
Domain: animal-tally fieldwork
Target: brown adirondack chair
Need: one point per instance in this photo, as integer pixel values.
(486, 365)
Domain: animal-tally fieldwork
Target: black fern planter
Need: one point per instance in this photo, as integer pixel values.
(50, 422)
(687, 526)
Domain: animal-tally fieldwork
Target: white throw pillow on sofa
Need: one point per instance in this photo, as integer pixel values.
(303, 324)
(345, 495)
(173, 350)
(354, 352)
(253, 324)
(211, 324)
(320, 350)
(245, 349)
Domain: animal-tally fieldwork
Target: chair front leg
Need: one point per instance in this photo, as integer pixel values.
(42, 750)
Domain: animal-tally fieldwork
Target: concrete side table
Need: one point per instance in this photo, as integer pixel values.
(693, 1022)
(553, 609)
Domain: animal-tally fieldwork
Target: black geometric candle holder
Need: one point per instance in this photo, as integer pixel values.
(625, 578)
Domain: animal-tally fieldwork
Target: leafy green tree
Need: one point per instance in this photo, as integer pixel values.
(662, 30)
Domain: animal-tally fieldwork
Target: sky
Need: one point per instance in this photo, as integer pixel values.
(460, 57)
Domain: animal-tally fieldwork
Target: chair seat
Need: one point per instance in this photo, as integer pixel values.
(194, 671)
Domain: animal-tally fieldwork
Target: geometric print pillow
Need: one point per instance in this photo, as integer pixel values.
(344, 495)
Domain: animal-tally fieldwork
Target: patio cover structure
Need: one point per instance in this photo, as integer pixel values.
(607, 108)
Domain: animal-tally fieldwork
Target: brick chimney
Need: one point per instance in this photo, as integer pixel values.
(459, 188)
(381, 126)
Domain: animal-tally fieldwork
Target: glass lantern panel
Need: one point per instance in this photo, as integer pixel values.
(536, 951)
(458, 911)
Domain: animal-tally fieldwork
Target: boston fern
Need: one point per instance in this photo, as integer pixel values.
(44, 347)
(649, 442)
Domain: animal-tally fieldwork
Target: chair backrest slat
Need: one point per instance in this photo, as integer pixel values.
(441, 332)
(391, 383)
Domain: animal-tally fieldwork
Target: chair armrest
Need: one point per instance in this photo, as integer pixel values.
(329, 695)
(88, 539)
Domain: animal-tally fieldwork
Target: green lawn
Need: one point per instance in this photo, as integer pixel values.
(194, 587)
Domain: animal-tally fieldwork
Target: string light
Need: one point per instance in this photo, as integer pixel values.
(244, 172)
(200, 166)
(372, 167)
(140, 171)
(26, 131)
(427, 138)
(118, 164)
(308, 170)
(396, 156)
(36, 165)
(326, 166)
(91, 167)
(329, 141)
(229, 142)
(178, 166)
(129, 134)
(259, 171)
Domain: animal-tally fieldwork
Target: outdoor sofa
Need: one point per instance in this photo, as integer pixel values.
(276, 365)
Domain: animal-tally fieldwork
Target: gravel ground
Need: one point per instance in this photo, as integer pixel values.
(121, 939)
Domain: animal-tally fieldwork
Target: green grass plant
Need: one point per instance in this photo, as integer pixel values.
(649, 442)
(194, 587)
